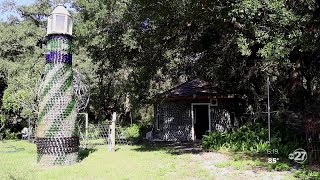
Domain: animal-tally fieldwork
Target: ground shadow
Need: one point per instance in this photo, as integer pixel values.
(175, 148)
(85, 152)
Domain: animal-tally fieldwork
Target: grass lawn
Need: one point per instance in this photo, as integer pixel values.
(18, 161)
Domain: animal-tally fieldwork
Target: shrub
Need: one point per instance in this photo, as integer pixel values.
(254, 139)
(136, 132)
(306, 174)
(132, 132)
(10, 135)
(246, 139)
(93, 132)
(279, 167)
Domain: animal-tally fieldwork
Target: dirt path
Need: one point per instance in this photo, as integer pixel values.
(210, 160)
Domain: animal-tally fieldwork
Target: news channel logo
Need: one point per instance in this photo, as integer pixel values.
(299, 156)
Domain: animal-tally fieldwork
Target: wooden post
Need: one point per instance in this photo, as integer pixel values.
(113, 131)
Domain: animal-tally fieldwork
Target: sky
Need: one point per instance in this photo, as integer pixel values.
(5, 15)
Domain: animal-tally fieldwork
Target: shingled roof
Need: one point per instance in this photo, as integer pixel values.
(195, 89)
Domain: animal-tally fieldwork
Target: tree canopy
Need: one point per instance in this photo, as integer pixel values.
(132, 50)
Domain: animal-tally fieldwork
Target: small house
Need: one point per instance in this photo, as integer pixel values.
(188, 111)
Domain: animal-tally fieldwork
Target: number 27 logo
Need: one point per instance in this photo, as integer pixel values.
(299, 155)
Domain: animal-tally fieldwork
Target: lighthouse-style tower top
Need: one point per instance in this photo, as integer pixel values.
(60, 21)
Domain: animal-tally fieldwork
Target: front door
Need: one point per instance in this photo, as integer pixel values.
(201, 120)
